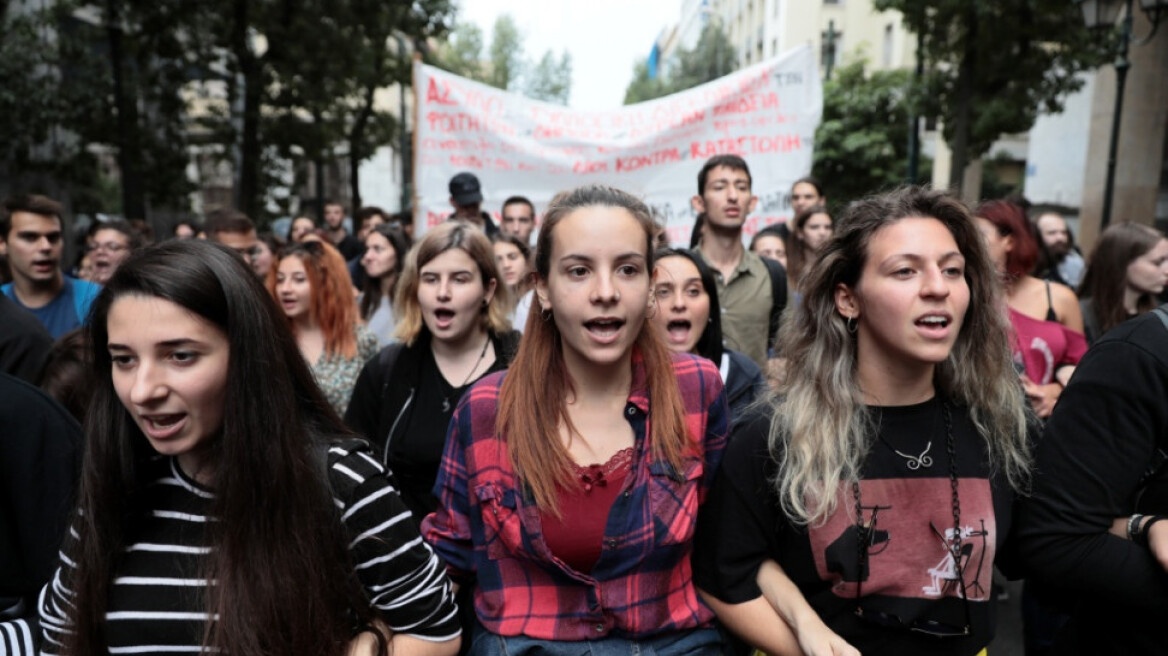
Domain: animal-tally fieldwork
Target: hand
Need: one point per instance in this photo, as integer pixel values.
(814, 637)
(365, 643)
(1042, 397)
(1158, 542)
(818, 640)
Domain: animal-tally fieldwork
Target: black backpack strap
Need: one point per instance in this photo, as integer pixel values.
(778, 299)
(386, 359)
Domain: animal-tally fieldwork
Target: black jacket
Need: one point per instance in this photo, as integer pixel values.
(382, 404)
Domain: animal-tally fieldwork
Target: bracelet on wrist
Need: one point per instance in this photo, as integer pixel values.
(1140, 533)
(1133, 523)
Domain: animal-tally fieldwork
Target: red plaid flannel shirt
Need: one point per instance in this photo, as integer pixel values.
(641, 586)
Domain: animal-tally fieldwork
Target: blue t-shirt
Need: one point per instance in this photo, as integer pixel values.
(65, 312)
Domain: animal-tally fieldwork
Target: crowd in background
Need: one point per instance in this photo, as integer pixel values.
(873, 406)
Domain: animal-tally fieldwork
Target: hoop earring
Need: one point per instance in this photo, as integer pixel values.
(546, 315)
(851, 324)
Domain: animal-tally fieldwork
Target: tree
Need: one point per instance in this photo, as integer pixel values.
(711, 57)
(463, 54)
(506, 67)
(506, 54)
(993, 65)
(551, 80)
(862, 142)
(643, 86)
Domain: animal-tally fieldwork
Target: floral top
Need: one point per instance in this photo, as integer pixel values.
(336, 374)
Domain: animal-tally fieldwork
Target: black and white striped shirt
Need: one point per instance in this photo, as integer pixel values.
(156, 603)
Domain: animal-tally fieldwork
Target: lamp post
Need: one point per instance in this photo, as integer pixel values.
(1101, 14)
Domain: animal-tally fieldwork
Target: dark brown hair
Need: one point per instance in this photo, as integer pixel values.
(285, 579)
(1106, 277)
(31, 203)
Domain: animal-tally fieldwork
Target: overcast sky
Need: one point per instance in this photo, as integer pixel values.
(604, 37)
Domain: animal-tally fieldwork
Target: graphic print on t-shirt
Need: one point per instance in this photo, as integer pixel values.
(911, 550)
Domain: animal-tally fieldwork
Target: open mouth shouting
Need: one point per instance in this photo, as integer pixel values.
(604, 329)
(934, 324)
(679, 331)
(162, 426)
(443, 318)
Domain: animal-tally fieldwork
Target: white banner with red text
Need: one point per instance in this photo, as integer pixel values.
(766, 113)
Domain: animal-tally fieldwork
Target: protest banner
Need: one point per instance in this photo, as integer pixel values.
(766, 113)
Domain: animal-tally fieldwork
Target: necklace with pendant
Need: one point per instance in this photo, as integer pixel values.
(918, 461)
(482, 354)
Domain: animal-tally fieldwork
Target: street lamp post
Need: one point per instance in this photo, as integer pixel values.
(1102, 14)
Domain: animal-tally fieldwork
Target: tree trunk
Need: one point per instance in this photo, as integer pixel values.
(356, 148)
(126, 107)
(962, 124)
(249, 140)
(318, 165)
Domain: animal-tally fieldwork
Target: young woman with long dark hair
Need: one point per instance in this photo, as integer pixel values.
(222, 505)
(312, 284)
(1126, 272)
(453, 330)
(385, 256)
(689, 320)
(570, 484)
(867, 510)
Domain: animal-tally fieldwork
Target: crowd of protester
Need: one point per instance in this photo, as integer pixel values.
(556, 434)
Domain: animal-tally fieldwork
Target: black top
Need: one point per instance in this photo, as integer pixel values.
(910, 573)
(1103, 436)
(398, 406)
(24, 342)
(350, 247)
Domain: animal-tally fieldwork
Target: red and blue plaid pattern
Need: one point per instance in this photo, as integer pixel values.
(642, 585)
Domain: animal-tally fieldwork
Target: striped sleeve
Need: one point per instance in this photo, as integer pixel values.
(54, 601)
(16, 638)
(403, 577)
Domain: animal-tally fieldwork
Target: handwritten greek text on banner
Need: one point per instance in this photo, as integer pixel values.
(516, 146)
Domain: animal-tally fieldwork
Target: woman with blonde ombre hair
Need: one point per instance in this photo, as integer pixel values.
(570, 484)
(452, 330)
(865, 509)
(311, 283)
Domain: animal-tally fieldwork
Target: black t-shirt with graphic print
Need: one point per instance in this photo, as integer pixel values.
(911, 576)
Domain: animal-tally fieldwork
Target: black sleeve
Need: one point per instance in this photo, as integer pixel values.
(1094, 450)
(737, 527)
(38, 474)
(364, 412)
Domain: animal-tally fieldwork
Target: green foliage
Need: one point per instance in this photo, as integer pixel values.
(993, 65)
(711, 57)
(861, 144)
(551, 80)
(463, 54)
(505, 67)
(506, 54)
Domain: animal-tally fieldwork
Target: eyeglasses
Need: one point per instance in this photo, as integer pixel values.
(926, 626)
(109, 247)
